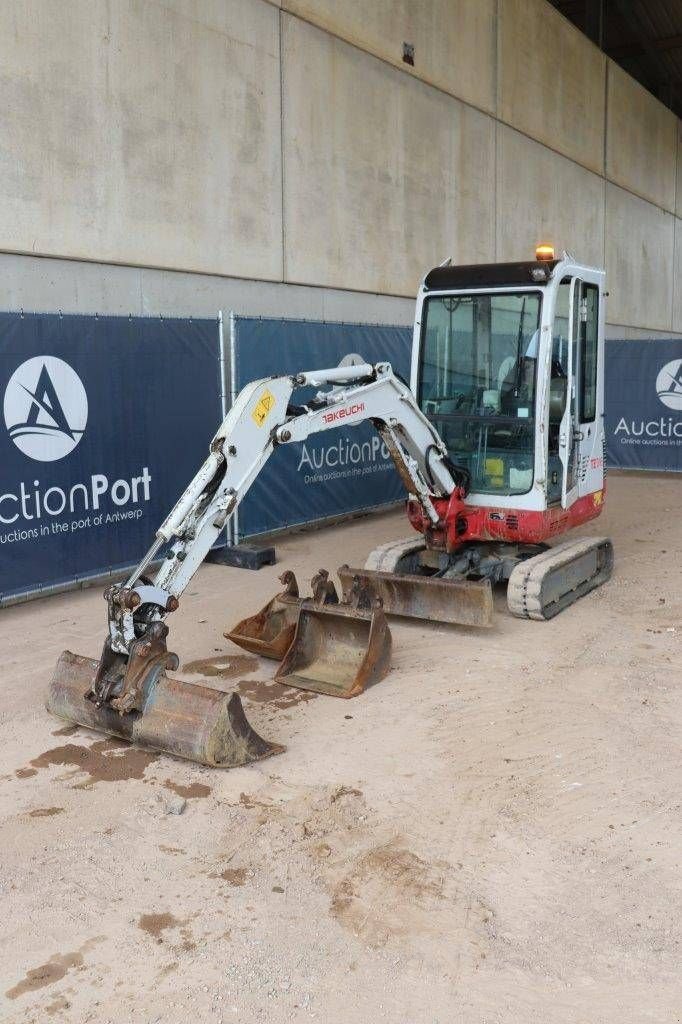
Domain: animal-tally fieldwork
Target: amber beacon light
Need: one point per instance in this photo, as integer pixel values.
(544, 252)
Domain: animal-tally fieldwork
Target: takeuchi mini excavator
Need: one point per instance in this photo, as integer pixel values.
(499, 441)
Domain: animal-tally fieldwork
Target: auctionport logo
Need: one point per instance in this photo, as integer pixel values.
(669, 385)
(46, 408)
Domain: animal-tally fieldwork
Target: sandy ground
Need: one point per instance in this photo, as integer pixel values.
(491, 834)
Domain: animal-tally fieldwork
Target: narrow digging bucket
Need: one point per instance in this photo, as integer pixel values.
(337, 650)
(176, 717)
(461, 602)
(270, 631)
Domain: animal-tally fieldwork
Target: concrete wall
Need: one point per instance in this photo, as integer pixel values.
(640, 256)
(543, 196)
(454, 40)
(142, 132)
(677, 278)
(678, 190)
(641, 140)
(45, 285)
(281, 158)
(551, 82)
(381, 190)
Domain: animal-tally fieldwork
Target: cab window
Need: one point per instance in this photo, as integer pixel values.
(589, 333)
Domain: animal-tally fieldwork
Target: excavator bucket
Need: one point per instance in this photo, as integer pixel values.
(461, 602)
(270, 631)
(172, 716)
(338, 649)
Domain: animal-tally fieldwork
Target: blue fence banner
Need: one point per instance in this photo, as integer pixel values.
(643, 404)
(105, 421)
(333, 472)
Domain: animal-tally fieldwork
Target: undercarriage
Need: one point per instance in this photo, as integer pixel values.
(542, 580)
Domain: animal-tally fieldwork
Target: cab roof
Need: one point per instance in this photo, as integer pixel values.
(483, 275)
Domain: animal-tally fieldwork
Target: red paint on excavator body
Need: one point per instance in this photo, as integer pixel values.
(461, 524)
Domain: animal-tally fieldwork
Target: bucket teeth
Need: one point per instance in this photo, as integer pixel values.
(174, 717)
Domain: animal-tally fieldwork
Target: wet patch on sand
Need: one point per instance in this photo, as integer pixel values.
(53, 970)
(195, 791)
(46, 974)
(108, 760)
(45, 812)
(226, 666)
(277, 696)
(235, 876)
(156, 924)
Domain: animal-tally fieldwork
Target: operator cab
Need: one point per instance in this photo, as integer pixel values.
(495, 350)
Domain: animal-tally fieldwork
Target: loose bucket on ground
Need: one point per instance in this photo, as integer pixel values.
(338, 649)
(270, 631)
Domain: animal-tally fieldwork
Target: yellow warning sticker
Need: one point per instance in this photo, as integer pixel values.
(263, 407)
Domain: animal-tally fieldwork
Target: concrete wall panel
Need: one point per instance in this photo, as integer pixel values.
(542, 196)
(678, 190)
(677, 277)
(641, 140)
(639, 261)
(46, 284)
(142, 132)
(454, 40)
(383, 175)
(551, 81)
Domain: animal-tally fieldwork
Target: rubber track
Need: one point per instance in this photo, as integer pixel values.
(524, 592)
(385, 558)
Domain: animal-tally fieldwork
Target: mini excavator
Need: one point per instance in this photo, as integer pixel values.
(499, 442)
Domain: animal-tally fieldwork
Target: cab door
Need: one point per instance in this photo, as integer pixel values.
(590, 382)
(581, 432)
(568, 431)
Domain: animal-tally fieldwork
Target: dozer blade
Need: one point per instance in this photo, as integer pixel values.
(270, 631)
(175, 717)
(338, 649)
(461, 602)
